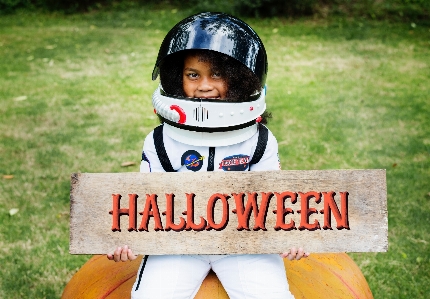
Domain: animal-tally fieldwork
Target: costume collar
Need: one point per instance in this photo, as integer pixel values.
(210, 138)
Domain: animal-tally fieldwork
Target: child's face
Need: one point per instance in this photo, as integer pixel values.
(201, 80)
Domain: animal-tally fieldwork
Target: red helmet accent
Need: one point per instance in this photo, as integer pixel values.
(182, 115)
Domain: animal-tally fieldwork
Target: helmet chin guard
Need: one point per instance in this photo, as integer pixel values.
(208, 115)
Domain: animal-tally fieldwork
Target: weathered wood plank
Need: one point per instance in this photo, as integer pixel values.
(93, 194)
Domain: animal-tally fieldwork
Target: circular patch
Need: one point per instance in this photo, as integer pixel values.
(192, 160)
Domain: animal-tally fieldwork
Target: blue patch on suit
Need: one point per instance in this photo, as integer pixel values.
(145, 158)
(192, 160)
(235, 163)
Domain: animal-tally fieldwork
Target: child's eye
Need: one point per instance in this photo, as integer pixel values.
(216, 75)
(192, 75)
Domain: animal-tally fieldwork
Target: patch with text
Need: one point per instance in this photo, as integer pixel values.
(234, 163)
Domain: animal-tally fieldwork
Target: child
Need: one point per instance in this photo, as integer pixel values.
(212, 69)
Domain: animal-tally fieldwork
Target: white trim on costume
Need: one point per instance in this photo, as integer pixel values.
(210, 139)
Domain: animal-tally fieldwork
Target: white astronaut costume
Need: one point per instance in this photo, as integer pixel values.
(180, 276)
(211, 135)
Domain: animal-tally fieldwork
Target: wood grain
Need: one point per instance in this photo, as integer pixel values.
(91, 223)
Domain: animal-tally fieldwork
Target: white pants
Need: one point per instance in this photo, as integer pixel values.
(180, 276)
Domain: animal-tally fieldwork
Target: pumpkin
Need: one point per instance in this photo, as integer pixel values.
(334, 276)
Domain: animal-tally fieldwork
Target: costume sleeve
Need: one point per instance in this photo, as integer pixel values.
(150, 161)
(270, 159)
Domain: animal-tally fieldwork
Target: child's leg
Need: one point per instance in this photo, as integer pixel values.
(169, 276)
(253, 276)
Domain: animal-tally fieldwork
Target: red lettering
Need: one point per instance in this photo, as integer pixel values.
(281, 211)
(244, 213)
(190, 215)
(331, 206)
(305, 211)
(150, 210)
(116, 212)
(210, 212)
(242, 210)
(170, 224)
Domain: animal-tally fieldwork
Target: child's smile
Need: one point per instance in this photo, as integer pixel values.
(201, 80)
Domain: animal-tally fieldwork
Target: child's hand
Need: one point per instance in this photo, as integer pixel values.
(293, 253)
(122, 254)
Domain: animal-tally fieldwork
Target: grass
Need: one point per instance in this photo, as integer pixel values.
(75, 97)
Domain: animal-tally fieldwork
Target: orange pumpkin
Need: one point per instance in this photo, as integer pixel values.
(334, 276)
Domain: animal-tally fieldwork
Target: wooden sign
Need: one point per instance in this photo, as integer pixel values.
(229, 212)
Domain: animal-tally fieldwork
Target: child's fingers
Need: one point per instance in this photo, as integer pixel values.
(124, 254)
(293, 254)
(285, 254)
(131, 256)
(117, 254)
(300, 254)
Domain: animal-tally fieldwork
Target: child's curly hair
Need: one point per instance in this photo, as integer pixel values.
(241, 81)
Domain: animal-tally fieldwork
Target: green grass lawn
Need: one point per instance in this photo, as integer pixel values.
(75, 96)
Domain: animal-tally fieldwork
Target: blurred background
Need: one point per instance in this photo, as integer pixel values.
(402, 10)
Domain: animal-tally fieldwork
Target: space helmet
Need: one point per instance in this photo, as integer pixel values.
(214, 121)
